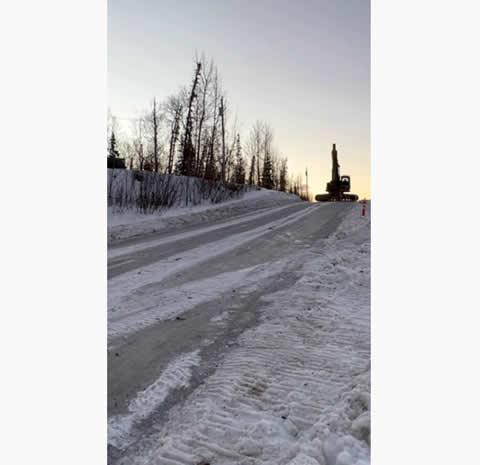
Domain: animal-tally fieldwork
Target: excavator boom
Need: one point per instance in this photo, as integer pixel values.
(335, 165)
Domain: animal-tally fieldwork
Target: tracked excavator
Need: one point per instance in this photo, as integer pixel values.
(337, 187)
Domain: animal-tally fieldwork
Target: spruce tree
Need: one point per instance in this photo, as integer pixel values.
(112, 151)
(267, 178)
(252, 171)
(210, 169)
(283, 176)
(239, 173)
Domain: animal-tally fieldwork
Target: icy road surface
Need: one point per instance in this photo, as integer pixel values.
(243, 340)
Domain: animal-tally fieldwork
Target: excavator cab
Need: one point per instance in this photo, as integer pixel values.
(345, 181)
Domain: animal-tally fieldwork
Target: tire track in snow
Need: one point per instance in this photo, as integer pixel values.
(117, 253)
(141, 292)
(165, 304)
(176, 375)
(290, 393)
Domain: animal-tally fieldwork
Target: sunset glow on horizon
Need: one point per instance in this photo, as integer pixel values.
(303, 67)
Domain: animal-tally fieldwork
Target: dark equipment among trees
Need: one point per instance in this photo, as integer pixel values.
(338, 185)
(118, 163)
(190, 134)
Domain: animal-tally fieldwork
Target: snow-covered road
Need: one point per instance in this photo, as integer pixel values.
(244, 341)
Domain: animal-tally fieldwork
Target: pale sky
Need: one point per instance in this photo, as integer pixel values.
(302, 66)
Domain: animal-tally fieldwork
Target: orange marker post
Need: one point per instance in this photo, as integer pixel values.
(364, 204)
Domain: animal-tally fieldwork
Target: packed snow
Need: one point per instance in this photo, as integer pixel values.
(176, 374)
(133, 298)
(200, 230)
(295, 388)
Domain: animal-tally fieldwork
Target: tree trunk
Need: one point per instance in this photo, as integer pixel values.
(155, 136)
(224, 158)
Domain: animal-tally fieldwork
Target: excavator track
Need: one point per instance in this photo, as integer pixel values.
(330, 198)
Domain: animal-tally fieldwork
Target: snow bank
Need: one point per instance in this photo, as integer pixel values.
(130, 223)
(148, 192)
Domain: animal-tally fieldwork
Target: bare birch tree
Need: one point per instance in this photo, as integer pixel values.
(138, 129)
(173, 111)
(254, 149)
(153, 121)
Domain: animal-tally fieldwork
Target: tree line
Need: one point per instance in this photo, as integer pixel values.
(192, 133)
